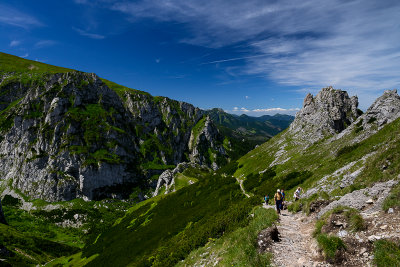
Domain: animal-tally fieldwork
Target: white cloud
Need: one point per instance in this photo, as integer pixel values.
(89, 34)
(264, 111)
(353, 45)
(247, 97)
(24, 56)
(267, 110)
(14, 43)
(14, 17)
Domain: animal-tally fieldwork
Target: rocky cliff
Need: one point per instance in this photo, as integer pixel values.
(328, 113)
(70, 135)
(384, 110)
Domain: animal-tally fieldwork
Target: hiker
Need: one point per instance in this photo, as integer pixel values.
(297, 193)
(283, 198)
(266, 199)
(278, 201)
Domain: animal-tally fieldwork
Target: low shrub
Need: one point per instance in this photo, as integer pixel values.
(11, 201)
(371, 120)
(295, 207)
(347, 149)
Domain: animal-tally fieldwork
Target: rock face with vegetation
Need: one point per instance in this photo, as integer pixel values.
(206, 144)
(384, 110)
(329, 112)
(71, 134)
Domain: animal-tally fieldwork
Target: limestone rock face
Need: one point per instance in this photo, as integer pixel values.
(167, 178)
(329, 112)
(69, 135)
(206, 144)
(384, 110)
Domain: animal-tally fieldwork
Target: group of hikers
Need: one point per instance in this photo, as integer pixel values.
(279, 198)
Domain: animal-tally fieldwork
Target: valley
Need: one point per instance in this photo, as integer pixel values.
(96, 174)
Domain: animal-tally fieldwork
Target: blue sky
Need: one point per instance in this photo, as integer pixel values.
(255, 57)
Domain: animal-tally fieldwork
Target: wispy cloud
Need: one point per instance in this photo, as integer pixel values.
(14, 43)
(232, 59)
(264, 111)
(25, 56)
(14, 17)
(45, 43)
(89, 34)
(353, 45)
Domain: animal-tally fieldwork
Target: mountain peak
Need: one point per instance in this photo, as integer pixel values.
(329, 112)
(384, 110)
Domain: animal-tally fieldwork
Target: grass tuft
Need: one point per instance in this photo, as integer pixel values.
(330, 246)
(386, 253)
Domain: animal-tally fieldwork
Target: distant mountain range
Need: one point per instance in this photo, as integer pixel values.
(256, 129)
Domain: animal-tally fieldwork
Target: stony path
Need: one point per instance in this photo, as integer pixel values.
(242, 188)
(297, 246)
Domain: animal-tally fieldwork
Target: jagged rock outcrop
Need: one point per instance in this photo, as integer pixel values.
(329, 112)
(2, 217)
(167, 178)
(69, 135)
(206, 144)
(384, 110)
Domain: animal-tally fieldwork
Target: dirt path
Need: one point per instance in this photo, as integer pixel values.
(242, 188)
(297, 246)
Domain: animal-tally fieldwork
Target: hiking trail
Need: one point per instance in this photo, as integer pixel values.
(297, 247)
(242, 188)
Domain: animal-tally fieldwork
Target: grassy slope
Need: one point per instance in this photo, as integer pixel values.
(163, 230)
(40, 224)
(236, 248)
(10, 63)
(29, 249)
(323, 158)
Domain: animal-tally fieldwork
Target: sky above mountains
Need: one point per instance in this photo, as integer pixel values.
(255, 57)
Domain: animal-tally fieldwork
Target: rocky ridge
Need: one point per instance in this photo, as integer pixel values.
(70, 135)
(384, 110)
(329, 112)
